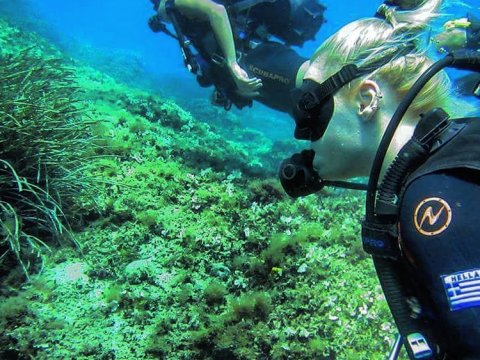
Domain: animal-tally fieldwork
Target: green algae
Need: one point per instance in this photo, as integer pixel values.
(191, 250)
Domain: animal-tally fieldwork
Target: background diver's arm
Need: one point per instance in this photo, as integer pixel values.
(216, 15)
(462, 23)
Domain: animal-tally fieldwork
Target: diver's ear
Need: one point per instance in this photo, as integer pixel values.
(368, 100)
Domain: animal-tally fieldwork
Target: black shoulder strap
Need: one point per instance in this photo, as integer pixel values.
(187, 54)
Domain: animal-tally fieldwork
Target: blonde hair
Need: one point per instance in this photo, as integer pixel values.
(418, 17)
(364, 41)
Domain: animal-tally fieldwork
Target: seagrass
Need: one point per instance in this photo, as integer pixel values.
(44, 145)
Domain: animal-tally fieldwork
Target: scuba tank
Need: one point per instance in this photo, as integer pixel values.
(292, 22)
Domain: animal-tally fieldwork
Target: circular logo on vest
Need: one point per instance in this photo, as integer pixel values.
(432, 216)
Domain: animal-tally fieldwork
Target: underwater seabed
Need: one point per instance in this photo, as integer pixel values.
(165, 237)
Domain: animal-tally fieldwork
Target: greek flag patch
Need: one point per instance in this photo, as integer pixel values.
(463, 289)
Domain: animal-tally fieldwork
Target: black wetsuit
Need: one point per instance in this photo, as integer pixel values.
(439, 212)
(277, 66)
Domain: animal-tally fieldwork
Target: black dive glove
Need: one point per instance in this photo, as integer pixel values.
(155, 23)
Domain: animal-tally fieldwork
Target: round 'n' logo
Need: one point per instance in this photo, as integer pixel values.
(432, 216)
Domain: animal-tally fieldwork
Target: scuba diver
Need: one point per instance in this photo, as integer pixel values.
(243, 48)
(373, 104)
(459, 34)
(233, 48)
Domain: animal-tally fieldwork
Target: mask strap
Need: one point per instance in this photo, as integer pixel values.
(311, 103)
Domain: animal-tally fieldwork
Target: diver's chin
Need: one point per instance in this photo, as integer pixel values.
(336, 172)
(332, 173)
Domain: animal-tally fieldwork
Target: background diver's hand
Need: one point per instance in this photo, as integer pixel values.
(155, 23)
(462, 23)
(450, 40)
(246, 86)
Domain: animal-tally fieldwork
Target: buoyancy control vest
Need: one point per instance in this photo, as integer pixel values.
(439, 237)
(462, 151)
(292, 22)
(437, 144)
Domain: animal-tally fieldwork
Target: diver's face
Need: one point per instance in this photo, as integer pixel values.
(450, 40)
(348, 146)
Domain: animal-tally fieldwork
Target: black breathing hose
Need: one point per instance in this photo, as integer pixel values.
(345, 185)
(390, 131)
